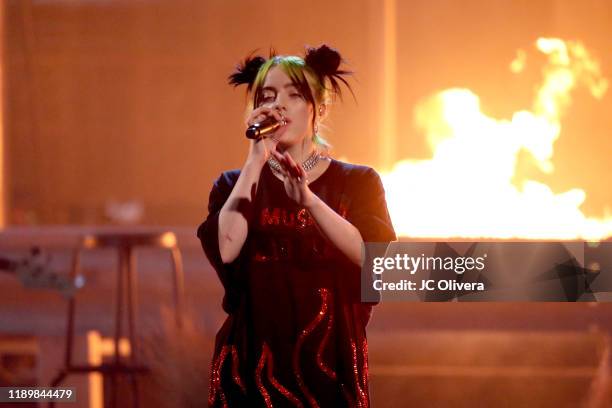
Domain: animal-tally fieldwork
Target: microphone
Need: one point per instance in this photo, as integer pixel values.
(261, 129)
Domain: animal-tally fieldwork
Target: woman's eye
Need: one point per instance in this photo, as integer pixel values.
(268, 98)
(296, 95)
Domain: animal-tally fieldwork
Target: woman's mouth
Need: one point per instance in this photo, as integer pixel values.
(281, 129)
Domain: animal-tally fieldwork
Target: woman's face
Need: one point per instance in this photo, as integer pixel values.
(279, 92)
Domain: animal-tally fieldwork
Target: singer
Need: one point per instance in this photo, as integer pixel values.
(284, 234)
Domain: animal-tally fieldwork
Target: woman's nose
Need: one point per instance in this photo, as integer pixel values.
(279, 105)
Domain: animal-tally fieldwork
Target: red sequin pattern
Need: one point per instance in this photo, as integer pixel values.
(356, 393)
(268, 359)
(298, 346)
(364, 371)
(235, 370)
(215, 378)
(258, 380)
(362, 398)
(330, 324)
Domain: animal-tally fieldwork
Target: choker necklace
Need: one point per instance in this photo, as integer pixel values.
(307, 164)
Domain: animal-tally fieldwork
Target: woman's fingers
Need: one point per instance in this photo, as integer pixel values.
(301, 173)
(296, 170)
(281, 160)
(289, 166)
(256, 116)
(278, 116)
(288, 162)
(261, 113)
(285, 166)
(277, 156)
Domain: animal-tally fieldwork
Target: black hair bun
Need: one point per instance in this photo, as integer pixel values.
(324, 60)
(246, 71)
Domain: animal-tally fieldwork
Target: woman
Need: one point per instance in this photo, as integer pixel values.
(285, 240)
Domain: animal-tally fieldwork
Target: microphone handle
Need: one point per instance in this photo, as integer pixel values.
(260, 130)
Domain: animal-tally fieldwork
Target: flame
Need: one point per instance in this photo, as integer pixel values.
(466, 189)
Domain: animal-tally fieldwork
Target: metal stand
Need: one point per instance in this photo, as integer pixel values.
(126, 285)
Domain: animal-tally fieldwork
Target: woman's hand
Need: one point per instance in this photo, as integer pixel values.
(261, 149)
(341, 233)
(295, 180)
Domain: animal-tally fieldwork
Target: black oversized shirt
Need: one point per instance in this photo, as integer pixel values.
(295, 332)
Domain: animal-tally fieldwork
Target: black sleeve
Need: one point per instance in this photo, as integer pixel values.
(229, 273)
(368, 207)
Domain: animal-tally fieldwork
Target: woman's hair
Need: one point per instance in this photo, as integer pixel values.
(316, 76)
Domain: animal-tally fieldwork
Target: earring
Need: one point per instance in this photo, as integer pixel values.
(316, 128)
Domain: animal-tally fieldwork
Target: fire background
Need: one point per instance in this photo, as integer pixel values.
(116, 116)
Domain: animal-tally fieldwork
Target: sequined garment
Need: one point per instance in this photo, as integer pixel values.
(295, 331)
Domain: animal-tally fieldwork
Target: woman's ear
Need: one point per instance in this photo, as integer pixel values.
(322, 111)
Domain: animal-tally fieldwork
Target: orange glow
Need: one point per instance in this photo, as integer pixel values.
(466, 189)
(97, 348)
(168, 240)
